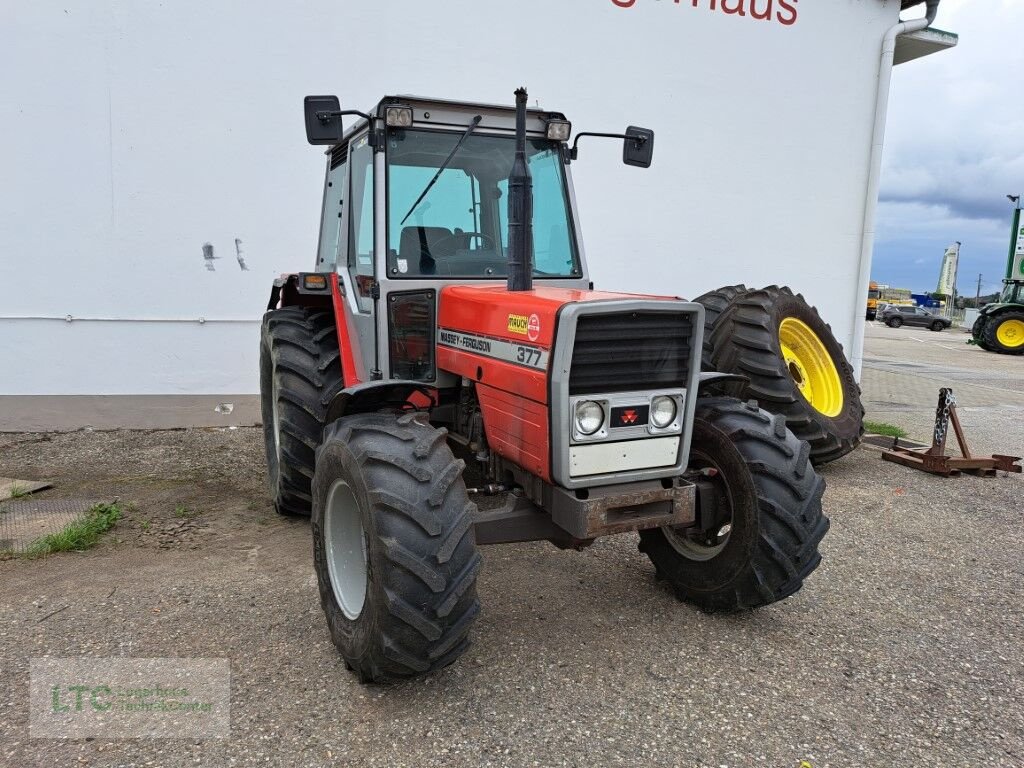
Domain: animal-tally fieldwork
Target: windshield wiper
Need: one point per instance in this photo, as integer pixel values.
(472, 127)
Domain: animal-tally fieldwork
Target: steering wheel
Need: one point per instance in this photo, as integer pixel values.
(486, 240)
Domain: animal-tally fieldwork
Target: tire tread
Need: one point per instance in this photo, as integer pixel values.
(427, 561)
(790, 521)
(745, 341)
(299, 352)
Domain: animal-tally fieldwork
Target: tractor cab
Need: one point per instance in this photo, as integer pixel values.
(416, 198)
(1012, 293)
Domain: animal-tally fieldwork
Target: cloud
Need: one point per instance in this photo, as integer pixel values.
(913, 236)
(955, 145)
(956, 121)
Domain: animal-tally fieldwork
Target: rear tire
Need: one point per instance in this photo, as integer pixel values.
(747, 342)
(774, 496)
(401, 491)
(300, 373)
(1004, 333)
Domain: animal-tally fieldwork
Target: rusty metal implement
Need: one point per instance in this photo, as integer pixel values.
(935, 460)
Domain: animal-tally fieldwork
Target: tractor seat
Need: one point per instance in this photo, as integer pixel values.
(419, 247)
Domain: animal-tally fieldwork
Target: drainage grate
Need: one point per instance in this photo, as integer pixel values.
(884, 441)
(25, 520)
(9, 486)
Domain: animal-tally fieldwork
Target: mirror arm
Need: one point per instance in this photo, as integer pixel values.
(574, 152)
(323, 117)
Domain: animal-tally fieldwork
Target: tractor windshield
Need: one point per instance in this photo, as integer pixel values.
(460, 227)
(1010, 293)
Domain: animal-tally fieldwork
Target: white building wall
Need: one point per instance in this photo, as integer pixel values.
(134, 133)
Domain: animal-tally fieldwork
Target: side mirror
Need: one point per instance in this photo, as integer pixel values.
(638, 148)
(323, 119)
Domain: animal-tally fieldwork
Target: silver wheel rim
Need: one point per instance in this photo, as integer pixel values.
(276, 424)
(694, 550)
(697, 550)
(345, 543)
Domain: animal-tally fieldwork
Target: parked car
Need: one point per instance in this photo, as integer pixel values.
(894, 317)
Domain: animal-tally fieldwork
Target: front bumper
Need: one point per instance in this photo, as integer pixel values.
(620, 508)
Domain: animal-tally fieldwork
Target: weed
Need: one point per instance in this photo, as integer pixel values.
(184, 512)
(19, 492)
(881, 428)
(80, 534)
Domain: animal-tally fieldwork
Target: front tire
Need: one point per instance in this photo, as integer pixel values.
(978, 333)
(895, 322)
(393, 545)
(775, 516)
(938, 327)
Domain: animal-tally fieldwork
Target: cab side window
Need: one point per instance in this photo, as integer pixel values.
(334, 205)
(360, 218)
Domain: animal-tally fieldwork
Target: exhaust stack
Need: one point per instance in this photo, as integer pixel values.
(520, 208)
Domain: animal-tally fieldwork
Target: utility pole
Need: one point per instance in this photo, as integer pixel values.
(951, 304)
(977, 296)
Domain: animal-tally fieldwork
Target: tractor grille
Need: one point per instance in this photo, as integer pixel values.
(630, 352)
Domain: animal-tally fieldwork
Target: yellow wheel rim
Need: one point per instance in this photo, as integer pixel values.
(1010, 333)
(811, 367)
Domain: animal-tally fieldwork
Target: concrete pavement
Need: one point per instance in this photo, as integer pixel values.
(904, 368)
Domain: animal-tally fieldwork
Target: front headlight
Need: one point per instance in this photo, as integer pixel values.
(589, 417)
(663, 411)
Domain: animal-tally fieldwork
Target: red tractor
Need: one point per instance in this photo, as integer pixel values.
(450, 337)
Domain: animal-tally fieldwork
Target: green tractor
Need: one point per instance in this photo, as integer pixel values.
(1000, 326)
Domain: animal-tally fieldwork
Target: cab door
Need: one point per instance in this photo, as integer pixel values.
(356, 262)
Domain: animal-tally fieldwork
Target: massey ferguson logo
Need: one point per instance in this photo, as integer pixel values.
(630, 416)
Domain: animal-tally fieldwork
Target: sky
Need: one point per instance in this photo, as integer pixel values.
(954, 149)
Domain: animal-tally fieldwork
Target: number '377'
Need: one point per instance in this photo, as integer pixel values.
(528, 356)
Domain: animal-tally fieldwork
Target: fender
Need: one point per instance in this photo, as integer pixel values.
(993, 310)
(320, 290)
(374, 395)
(292, 291)
(710, 383)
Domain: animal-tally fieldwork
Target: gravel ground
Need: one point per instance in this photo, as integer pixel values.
(903, 649)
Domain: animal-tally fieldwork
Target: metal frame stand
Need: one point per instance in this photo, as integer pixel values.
(935, 460)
